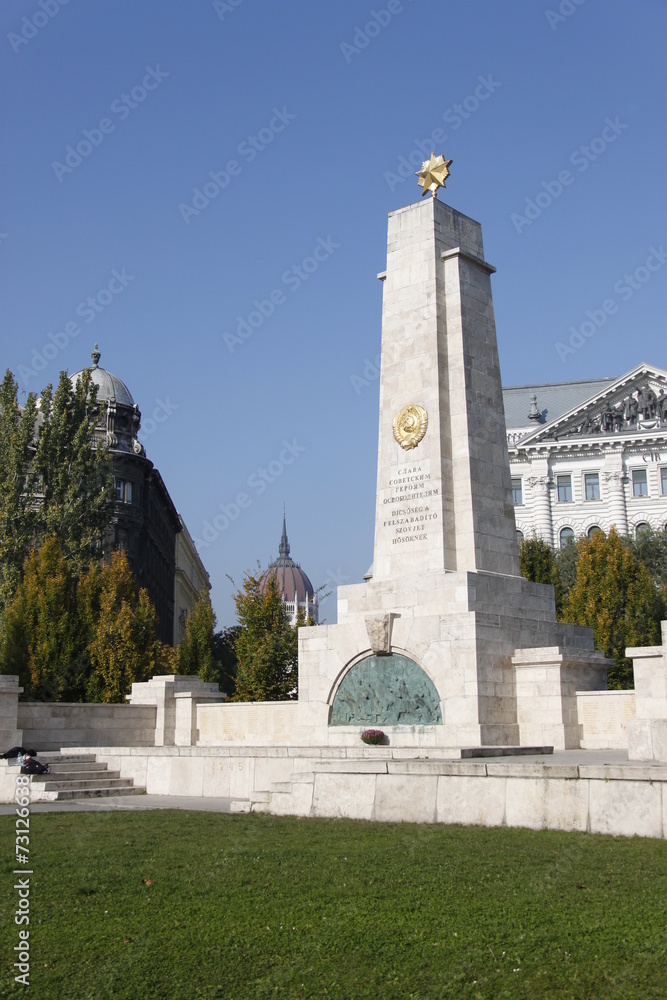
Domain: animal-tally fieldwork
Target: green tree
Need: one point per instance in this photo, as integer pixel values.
(651, 547)
(615, 595)
(224, 655)
(17, 485)
(42, 640)
(55, 478)
(267, 646)
(538, 563)
(74, 470)
(195, 653)
(566, 562)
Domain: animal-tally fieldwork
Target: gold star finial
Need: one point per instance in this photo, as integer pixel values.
(433, 174)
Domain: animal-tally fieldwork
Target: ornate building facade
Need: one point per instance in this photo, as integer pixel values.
(588, 455)
(145, 522)
(295, 588)
(190, 579)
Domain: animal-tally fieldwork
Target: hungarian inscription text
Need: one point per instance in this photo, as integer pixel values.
(410, 504)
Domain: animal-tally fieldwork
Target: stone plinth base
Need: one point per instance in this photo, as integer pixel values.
(462, 630)
(647, 734)
(647, 739)
(11, 734)
(175, 698)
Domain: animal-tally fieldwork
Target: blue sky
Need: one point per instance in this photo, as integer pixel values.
(246, 319)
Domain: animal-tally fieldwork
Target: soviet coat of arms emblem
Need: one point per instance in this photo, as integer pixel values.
(410, 425)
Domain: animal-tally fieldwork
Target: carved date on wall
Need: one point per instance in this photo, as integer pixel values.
(386, 690)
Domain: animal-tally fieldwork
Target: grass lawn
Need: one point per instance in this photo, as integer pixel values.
(174, 904)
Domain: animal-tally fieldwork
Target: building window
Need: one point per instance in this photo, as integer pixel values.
(663, 481)
(592, 486)
(564, 487)
(566, 537)
(121, 539)
(594, 529)
(639, 483)
(123, 491)
(642, 528)
(517, 492)
(519, 535)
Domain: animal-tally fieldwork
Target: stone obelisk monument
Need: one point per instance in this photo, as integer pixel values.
(428, 648)
(444, 499)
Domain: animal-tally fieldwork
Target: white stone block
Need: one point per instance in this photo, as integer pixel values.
(478, 801)
(344, 795)
(406, 798)
(547, 803)
(626, 808)
(298, 802)
(603, 717)
(270, 771)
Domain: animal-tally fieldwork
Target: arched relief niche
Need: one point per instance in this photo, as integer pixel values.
(386, 690)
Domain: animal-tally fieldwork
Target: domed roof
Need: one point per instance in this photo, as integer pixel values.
(109, 386)
(293, 584)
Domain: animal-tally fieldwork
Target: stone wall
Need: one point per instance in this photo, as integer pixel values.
(50, 726)
(162, 712)
(603, 718)
(255, 723)
(378, 783)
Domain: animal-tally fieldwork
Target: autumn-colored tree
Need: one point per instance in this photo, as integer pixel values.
(538, 563)
(195, 652)
(124, 647)
(42, 640)
(615, 595)
(85, 641)
(267, 646)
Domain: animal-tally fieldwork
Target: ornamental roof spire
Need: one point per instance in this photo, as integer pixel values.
(283, 549)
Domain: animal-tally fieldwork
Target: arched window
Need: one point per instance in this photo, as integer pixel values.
(519, 534)
(594, 529)
(566, 537)
(642, 527)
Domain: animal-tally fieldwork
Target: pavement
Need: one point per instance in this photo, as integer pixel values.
(127, 803)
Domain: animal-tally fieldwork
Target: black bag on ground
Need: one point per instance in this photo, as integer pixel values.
(16, 751)
(33, 766)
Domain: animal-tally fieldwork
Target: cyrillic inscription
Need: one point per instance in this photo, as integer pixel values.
(408, 508)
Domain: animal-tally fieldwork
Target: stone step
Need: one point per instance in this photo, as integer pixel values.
(87, 771)
(96, 782)
(62, 795)
(79, 776)
(74, 766)
(65, 758)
